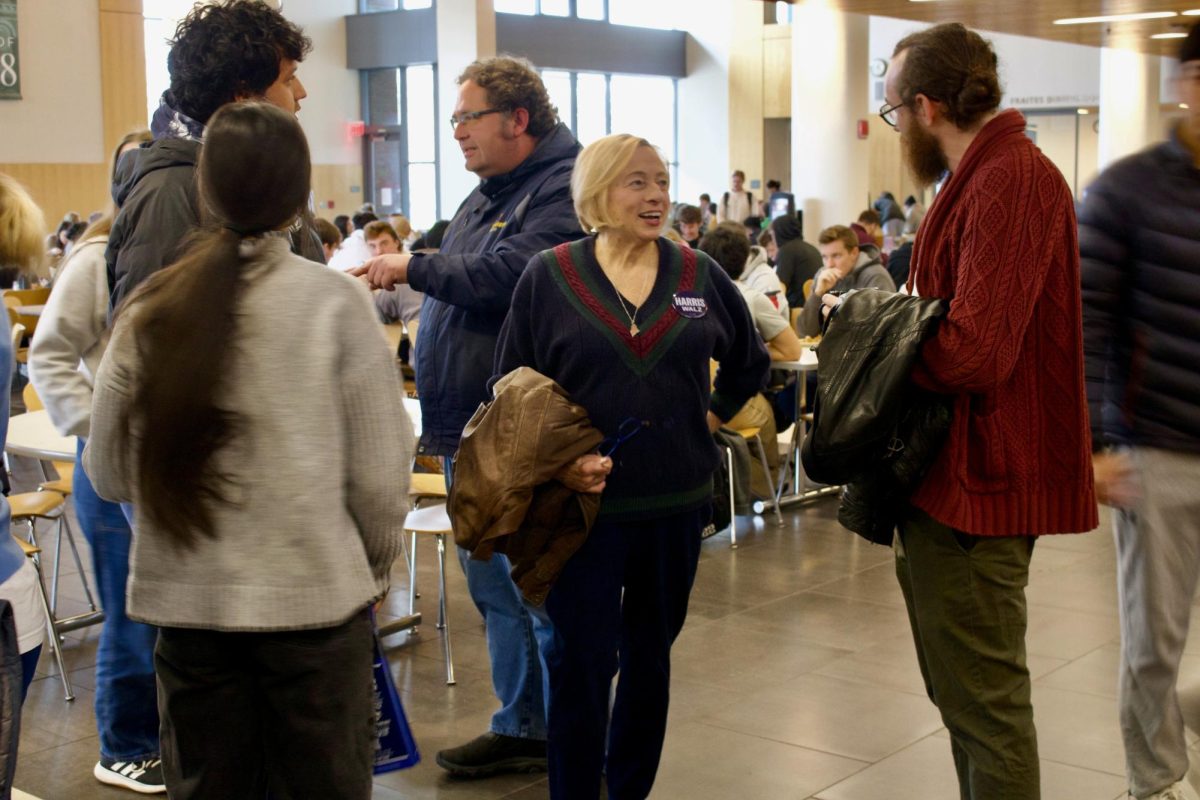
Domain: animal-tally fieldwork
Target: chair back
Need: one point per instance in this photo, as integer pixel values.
(30, 396)
(18, 333)
(807, 288)
(394, 332)
(28, 297)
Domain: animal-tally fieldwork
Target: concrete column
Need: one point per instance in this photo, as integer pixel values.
(466, 31)
(830, 53)
(1129, 103)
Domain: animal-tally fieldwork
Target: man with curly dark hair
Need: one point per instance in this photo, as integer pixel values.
(510, 136)
(222, 52)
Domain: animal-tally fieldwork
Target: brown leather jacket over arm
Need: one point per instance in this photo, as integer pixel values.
(504, 497)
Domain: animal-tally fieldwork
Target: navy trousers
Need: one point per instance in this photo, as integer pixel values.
(619, 604)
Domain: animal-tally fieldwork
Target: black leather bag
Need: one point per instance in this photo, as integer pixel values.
(875, 432)
(866, 358)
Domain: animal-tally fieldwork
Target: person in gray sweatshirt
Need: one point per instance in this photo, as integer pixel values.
(846, 267)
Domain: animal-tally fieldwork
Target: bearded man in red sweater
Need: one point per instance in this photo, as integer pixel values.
(999, 243)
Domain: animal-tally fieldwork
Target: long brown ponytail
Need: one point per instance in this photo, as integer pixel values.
(253, 178)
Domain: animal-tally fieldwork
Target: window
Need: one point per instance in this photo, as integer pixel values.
(373, 6)
(160, 18)
(400, 149)
(594, 105)
(664, 14)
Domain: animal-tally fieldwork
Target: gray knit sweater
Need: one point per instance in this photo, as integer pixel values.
(318, 473)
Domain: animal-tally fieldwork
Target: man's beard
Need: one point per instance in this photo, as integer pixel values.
(924, 155)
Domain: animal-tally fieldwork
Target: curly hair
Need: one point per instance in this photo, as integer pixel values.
(953, 65)
(512, 83)
(227, 48)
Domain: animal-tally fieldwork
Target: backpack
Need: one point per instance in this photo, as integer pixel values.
(749, 202)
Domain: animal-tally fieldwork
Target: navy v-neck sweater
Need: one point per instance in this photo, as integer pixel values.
(567, 323)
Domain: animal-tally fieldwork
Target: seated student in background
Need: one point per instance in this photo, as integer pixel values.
(847, 266)
(431, 240)
(330, 236)
(402, 302)
(796, 261)
(690, 220)
(354, 250)
(728, 247)
(759, 275)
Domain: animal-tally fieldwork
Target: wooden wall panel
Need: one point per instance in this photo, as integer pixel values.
(59, 188)
(122, 69)
(886, 170)
(777, 71)
(746, 96)
(333, 182)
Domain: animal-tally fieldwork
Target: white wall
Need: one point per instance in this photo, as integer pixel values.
(59, 119)
(1035, 73)
(333, 90)
(704, 105)
(466, 31)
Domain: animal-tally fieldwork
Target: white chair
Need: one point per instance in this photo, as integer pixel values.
(432, 521)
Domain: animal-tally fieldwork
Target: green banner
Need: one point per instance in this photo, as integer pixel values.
(10, 62)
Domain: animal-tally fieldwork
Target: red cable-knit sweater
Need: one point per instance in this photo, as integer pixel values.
(1000, 243)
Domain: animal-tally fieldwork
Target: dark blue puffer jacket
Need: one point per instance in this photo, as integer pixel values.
(468, 284)
(1139, 240)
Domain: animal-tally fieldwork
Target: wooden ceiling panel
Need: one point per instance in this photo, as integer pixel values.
(1036, 18)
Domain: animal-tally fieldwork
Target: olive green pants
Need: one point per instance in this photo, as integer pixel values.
(966, 602)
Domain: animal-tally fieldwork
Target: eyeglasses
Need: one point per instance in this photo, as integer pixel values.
(891, 114)
(625, 431)
(470, 116)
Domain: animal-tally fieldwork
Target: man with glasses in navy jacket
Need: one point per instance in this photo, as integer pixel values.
(511, 138)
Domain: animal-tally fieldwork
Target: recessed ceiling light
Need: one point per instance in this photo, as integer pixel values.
(1117, 18)
(1083, 112)
(1173, 35)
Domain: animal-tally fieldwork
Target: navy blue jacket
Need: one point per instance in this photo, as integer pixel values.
(1139, 240)
(469, 283)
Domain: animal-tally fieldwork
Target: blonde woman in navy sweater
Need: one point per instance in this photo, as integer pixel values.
(627, 322)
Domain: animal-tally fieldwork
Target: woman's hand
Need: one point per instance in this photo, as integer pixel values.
(586, 473)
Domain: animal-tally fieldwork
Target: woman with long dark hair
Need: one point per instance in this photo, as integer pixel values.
(267, 460)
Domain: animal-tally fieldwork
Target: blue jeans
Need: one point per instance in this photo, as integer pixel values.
(126, 693)
(516, 663)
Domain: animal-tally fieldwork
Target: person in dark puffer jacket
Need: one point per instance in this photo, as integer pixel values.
(1139, 239)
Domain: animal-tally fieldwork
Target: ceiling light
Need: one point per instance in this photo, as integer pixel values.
(1195, 12)
(1083, 112)
(1184, 106)
(1117, 17)
(1172, 35)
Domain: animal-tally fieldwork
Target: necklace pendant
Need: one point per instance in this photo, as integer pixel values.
(633, 329)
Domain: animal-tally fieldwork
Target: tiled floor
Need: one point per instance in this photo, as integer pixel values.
(795, 678)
